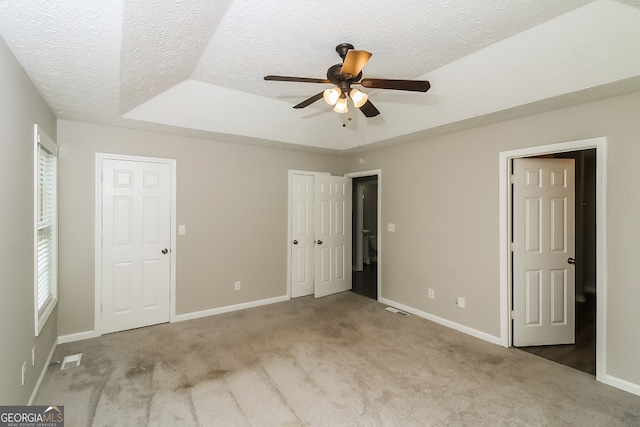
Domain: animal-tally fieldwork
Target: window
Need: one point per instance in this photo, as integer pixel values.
(46, 228)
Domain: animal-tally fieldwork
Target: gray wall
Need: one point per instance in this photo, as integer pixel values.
(442, 194)
(20, 108)
(231, 197)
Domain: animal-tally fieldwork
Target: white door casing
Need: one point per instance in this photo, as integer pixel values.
(302, 230)
(333, 235)
(136, 243)
(543, 279)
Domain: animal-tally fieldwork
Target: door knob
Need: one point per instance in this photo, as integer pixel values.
(165, 251)
(319, 242)
(571, 260)
(295, 242)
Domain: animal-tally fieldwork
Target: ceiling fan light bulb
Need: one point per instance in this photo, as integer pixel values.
(331, 95)
(341, 106)
(359, 98)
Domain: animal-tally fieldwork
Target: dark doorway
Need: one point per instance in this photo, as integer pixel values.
(365, 239)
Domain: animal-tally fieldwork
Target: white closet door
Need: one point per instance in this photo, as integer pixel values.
(333, 235)
(136, 240)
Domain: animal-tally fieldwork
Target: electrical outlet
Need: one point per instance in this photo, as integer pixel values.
(33, 356)
(432, 293)
(237, 285)
(461, 302)
(24, 372)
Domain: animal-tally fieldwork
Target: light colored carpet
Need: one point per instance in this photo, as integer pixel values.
(339, 360)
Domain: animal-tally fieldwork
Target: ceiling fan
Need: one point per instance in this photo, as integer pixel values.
(349, 73)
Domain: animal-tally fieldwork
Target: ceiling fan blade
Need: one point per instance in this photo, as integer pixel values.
(410, 85)
(369, 110)
(309, 101)
(354, 62)
(296, 79)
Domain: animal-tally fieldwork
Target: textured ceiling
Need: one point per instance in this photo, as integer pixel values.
(196, 67)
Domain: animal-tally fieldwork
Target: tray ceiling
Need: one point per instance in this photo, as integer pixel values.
(196, 67)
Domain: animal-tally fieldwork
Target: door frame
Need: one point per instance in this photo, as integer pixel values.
(377, 173)
(98, 232)
(505, 236)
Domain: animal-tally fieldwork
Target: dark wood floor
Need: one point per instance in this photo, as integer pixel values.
(582, 354)
(365, 282)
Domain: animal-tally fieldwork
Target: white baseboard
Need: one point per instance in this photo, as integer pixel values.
(622, 384)
(77, 337)
(44, 371)
(229, 308)
(607, 379)
(444, 322)
(62, 339)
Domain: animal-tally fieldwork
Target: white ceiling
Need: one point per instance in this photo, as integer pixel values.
(196, 67)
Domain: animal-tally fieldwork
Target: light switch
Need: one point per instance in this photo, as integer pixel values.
(182, 229)
(391, 227)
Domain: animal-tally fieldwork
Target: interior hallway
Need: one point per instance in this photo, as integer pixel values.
(365, 282)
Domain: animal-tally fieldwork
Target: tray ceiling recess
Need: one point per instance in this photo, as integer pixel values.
(197, 68)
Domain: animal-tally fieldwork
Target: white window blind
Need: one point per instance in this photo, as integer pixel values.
(45, 289)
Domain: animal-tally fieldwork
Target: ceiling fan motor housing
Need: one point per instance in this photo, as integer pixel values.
(343, 48)
(341, 80)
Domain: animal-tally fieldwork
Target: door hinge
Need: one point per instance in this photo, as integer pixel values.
(513, 314)
(512, 246)
(512, 179)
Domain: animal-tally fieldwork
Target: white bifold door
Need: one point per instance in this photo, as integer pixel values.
(321, 235)
(302, 235)
(136, 244)
(544, 247)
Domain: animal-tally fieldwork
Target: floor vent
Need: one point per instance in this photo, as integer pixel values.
(396, 311)
(71, 361)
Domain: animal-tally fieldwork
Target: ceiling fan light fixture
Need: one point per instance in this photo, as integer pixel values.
(332, 95)
(341, 105)
(342, 76)
(359, 98)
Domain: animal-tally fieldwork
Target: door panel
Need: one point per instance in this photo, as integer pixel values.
(543, 281)
(136, 227)
(302, 229)
(333, 235)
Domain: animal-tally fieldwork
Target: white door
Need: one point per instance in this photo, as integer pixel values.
(136, 240)
(543, 276)
(333, 235)
(302, 229)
